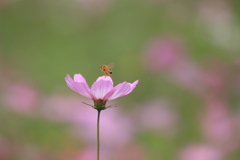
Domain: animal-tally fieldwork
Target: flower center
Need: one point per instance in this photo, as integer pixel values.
(100, 104)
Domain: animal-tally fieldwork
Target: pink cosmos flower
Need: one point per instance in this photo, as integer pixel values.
(102, 89)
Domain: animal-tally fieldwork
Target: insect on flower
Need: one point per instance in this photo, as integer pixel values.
(106, 69)
(102, 89)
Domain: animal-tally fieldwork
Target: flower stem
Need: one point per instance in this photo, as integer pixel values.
(98, 139)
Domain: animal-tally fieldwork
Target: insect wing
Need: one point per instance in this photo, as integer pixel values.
(110, 65)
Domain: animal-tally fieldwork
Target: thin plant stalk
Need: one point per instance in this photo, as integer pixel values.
(98, 136)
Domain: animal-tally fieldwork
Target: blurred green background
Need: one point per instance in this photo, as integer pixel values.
(43, 40)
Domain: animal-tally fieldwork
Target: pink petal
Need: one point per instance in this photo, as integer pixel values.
(70, 82)
(79, 78)
(133, 85)
(121, 89)
(79, 87)
(108, 78)
(109, 94)
(101, 87)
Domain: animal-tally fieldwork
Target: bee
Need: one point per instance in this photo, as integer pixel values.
(106, 69)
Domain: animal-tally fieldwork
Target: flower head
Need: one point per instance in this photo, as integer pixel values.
(102, 89)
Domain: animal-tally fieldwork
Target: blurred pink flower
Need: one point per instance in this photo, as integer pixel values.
(158, 1)
(116, 129)
(126, 152)
(95, 6)
(5, 3)
(219, 126)
(157, 115)
(89, 154)
(61, 108)
(215, 13)
(102, 89)
(11, 149)
(237, 120)
(31, 152)
(5, 149)
(163, 53)
(71, 110)
(131, 152)
(218, 19)
(236, 79)
(187, 74)
(200, 152)
(216, 76)
(168, 55)
(20, 97)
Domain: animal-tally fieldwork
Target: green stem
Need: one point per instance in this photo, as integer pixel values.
(98, 139)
